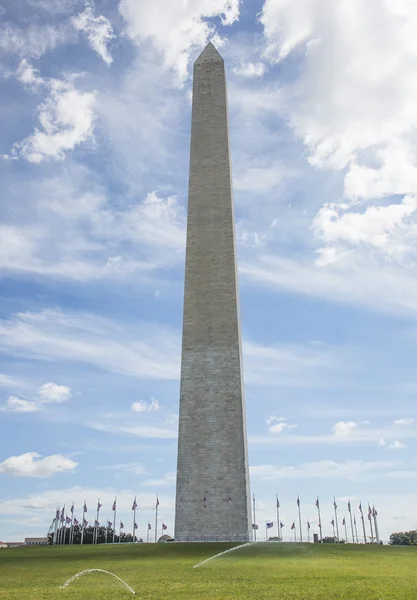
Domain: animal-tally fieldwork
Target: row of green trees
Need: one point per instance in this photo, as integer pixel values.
(103, 535)
(405, 538)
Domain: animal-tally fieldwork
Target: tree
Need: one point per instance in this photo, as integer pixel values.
(406, 538)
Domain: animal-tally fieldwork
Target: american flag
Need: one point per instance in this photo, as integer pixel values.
(374, 513)
(72, 508)
(343, 522)
(269, 524)
(293, 526)
(349, 505)
(121, 525)
(334, 503)
(75, 521)
(332, 522)
(277, 502)
(85, 523)
(136, 525)
(57, 513)
(62, 514)
(134, 505)
(317, 502)
(85, 507)
(68, 520)
(99, 505)
(298, 501)
(308, 525)
(282, 525)
(109, 523)
(360, 506)
(157, 501)
(149, 526)
(254, 526)
(114, 505)
(164, 527)
(96, 524)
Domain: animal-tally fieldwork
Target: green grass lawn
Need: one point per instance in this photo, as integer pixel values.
(263, 570)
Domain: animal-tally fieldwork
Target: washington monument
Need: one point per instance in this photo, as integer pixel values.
(213, 499)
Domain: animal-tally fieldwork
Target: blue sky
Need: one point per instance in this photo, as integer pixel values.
(95, 119)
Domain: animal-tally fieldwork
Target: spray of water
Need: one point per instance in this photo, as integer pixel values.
(221, 554)
(81, 573)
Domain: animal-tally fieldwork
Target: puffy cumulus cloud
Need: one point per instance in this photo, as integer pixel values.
(378, 227)
(280, 426)
(176, 28)
(14, 404)
(143, 407)
(32, 464)
(397, 445)
(355, 107)
(98, 30)
(345, 428)
(51, 392)
(66, 118)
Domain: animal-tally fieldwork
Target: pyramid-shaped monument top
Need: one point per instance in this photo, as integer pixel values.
(209, 54)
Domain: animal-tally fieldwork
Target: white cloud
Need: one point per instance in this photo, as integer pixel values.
(143, 407)
(381, 442)
(345, 428)
(141, 350)
(33, 41)
(51, 392)
(326, 469)
(273, 418)
(353, 55)
(397, 445)
(142, 431)
(32, 464)
(280, 427)
(176, 29)
(28, 75)
(14, 404)
(66, 118)
(250, 69)
(407, 421)
(98, 31)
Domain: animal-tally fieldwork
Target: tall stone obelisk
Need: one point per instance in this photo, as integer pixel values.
(213, 499)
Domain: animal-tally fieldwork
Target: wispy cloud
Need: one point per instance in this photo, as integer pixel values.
(98, 30)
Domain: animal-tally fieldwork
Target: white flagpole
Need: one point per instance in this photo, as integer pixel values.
(278, 520)
(62, 526)
(82, 525)
(114, 520)
(254, 517)
(64, 529)
(58, 511)
(72, 524)
(156, 517)
(147, 537)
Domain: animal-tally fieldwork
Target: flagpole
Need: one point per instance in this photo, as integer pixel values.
(356, 530)
(334, 533)
(295, 533)
(72, 524)
(64, 529)
(58, 510)
(351, 522)
(278, 521)
(335, 516)
(96, 523)
(114, 519)
(374, 514)
(299, 517)
(82, 528)
(363, 522)
(120, 531)
(370, 523)
(147, 537)
(308, 532)
(156, 517)
(254, 518)
(318, 511)
(344, 523)
(62, 525)
(134, 524)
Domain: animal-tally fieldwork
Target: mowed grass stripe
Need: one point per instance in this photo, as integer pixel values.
(256, 572)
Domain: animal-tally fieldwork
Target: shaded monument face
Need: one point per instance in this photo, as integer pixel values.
(213, 501)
